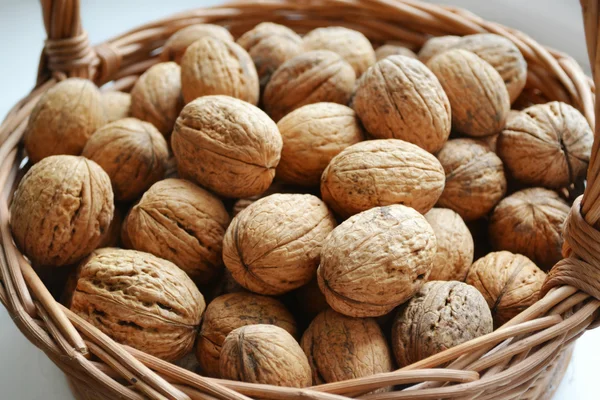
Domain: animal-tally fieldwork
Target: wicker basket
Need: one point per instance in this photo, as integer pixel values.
(524, 359)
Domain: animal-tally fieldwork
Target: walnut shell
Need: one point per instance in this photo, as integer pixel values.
(437, 45)
(211, 66)
(509, 282)
(156, 96)
(547, 145)
(132, 152)
(313, 77)
(117, 105)
(530, 222)
(226, 145)
(393, 50)
(183, 223)
(475, 180)
(455, 245)
(376, 260)
(61, 209)
(395, 88)
(64, 119)
(139, 300)
(379, 173)
(231, 311)
(478, 96)
(440, 316)
(264, 354)
(178, 43)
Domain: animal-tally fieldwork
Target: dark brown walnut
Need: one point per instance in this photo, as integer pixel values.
(309, 300)
(273, 246)
(178, 43)
(139, 300)
(475, 180)
(455, 245)
(313, 77)
(117, 105)
(376, 260)
(211, 66)
(437, 45)
(171, 167)
(232, 311)
(183, 223)
(547, 145)
(64, 119)
(226, 145)
(133, 153)
(393, 50)
(440, 316)
(61, 210)
(509, 282)
(156, 96)
(379, 173)
(339, 348)
(264, 354)
(400, 98)
(112, 236)
(530, 222)
(478, 96)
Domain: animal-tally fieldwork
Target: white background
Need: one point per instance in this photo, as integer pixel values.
(25, 372)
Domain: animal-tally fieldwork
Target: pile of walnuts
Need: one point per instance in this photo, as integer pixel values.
(259, 202)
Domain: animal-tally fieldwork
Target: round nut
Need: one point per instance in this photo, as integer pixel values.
(393, 50)
(400, 98)
(379, 173)
(376, 260)
(437, 45)
(178, 43)
(61, 209)
(117, 105)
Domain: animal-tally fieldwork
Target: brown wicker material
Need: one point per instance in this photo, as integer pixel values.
(524, 359)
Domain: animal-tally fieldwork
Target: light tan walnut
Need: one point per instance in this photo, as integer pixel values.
(437, 45)
(117, 105)
(178, 43)
(393, 50)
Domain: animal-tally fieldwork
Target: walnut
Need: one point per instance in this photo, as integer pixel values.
(139, 300)
(156, 96)
(376, 260)
(61, 209)
(440, 316)
(547, 145)
(437, 45)
(313, 77)
(171, 167)
(264, 354)
(178, 43)
(530, 222)
(183, 223)
(393, 50)
(241, 204)
(400, 98)
(112, 236)
(63, 119)
(117, 105)
(211, 66)
(231, 311)
(478, 96)
(226, 284)
(455, 245)
(226, 145)
(475, 180)
(509, 282)
(379, 173)
(132, 152)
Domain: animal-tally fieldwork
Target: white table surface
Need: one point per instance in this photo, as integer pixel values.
(25, 372)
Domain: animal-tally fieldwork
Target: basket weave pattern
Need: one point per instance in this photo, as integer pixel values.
(524, 359)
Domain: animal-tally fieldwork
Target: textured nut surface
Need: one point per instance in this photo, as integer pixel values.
(273, 245)
(183, 223)
(61, 210)
(156, 96)
(312, 135)
(475, 180)
(437, 45)
(211, 66)
(547, 145)
(530, 222)
(440, 316)
(132, 152)
(400, 98)
(63, 119)
(178, 43)
(313, 77)
(117, 105)
(231, 311)
(379, 173)
(393, 50)
(477, 93)
(139, 300)
(509, 282)
(455, 245)
(264, 354)
(227, 145)
(376, 260)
